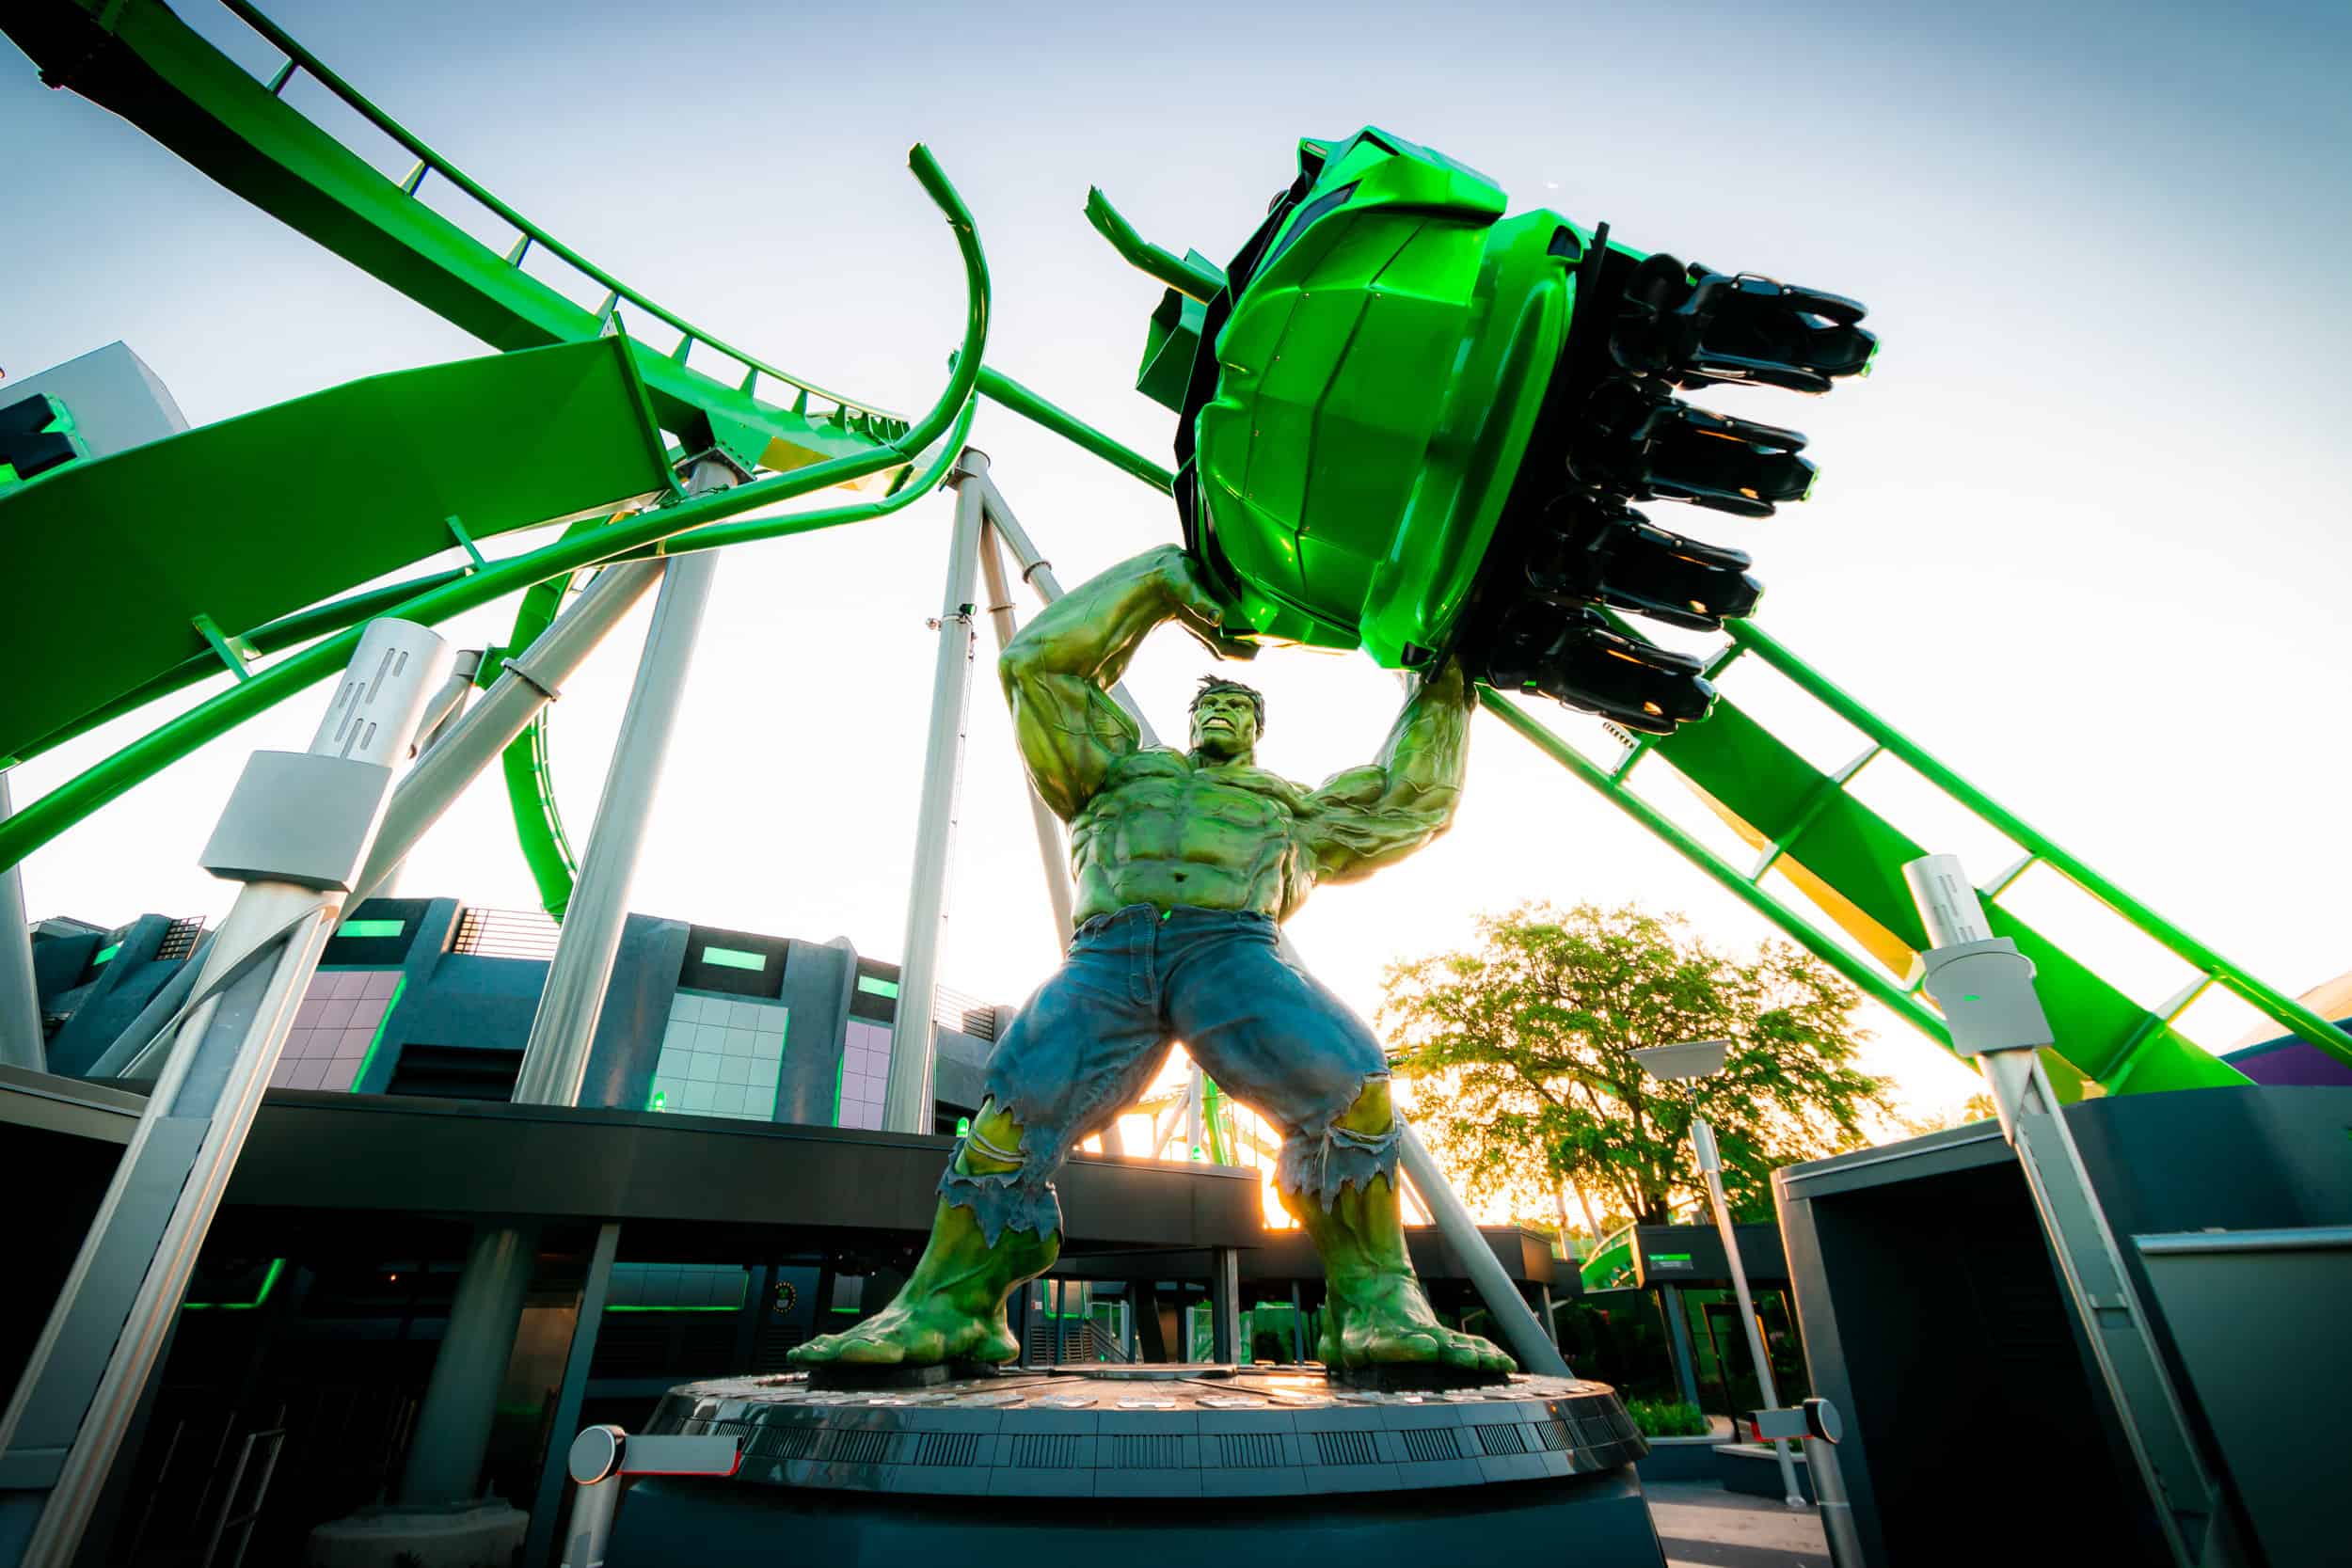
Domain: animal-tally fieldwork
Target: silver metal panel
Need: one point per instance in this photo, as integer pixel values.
(299, 818)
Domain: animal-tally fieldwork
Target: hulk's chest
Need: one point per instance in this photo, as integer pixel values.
(1164, 791)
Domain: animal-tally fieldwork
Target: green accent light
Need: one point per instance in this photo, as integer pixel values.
(1669, 1256)
(737, 1307)
(370, 928)
(735, 958)
(874, 987)
(963, 1127)
(391, 1006)
(658, 1102)
(744, 1294)
(104, 953)
(269, 1283)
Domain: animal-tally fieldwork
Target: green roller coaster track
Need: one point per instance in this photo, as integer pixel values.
(568, 422)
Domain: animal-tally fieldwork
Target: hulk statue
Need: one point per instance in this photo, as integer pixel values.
(1185, 862)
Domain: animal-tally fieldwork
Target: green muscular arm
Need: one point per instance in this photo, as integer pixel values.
(1368, 817)
(1058, 672)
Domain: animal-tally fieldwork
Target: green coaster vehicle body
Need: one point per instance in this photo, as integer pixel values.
(1382, 394)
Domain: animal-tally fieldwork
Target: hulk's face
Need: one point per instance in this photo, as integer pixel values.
(1224, 726)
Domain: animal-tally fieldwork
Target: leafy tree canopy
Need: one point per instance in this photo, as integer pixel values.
(1523, 1047)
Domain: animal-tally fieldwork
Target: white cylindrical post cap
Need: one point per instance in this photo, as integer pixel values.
(1947, 900)
(596, 1455)
(376, 708)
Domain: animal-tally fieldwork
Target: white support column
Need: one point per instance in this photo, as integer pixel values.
(1039, 573)
(1986, 988)
(907, 1100)
(531, 680)
(1711, 1166)
(1050, 848)
(556, 1056)
(20, 999)
(295, 833)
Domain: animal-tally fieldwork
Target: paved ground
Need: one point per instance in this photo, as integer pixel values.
(1705, 1526)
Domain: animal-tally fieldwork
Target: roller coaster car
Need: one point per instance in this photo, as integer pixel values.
(1410, 424)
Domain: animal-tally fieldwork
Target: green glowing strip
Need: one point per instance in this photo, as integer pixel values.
(391, 1006)
(735, 958)
(739, 1300)
(370, 928)
(106, 953)
(873, 986)
(1669, 1256)
(269, 1283)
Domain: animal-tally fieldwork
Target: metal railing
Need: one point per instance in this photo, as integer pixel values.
(954, 1009)
(506, 933)
(878, 420)
(179, 941)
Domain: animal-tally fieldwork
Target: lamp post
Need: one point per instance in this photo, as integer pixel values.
(1687, 1063)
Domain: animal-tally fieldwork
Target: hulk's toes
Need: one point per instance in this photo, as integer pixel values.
(1492, 1356)
(880, 1344)
(1400, 1343)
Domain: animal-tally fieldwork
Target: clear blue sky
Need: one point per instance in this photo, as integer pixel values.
(2084, 534)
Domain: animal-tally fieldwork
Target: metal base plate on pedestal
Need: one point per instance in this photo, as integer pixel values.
(1157, 1431)
(1029, 1458)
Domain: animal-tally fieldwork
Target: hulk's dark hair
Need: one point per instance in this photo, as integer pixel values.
(1214, 683)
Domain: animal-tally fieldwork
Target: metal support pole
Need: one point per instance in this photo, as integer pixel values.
(1711, 1165)
(453, 1430)
(1838, 1530)
(474, 740)
(1225, 1306)
(441, 714)
(907, 1096)
(1513, 1317)
(121, 1059)
(1985, 988)
(295, 833)
(1050, 848)
(556, 1056)
(593, 1291)
(1678, 1347)
(20, 998)
(1196, 1094)
(1039, 573)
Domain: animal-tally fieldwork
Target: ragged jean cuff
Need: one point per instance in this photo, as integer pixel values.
(1322, 1165)
(1004, 1200)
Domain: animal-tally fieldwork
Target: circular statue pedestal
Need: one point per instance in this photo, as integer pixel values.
(1166, 1458)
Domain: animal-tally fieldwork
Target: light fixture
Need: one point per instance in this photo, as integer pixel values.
(1689, 1059)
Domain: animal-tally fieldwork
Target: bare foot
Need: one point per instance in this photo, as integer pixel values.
(919, 1333)
(1389, 1322)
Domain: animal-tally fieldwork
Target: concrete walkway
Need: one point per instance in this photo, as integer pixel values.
(1705, 1526)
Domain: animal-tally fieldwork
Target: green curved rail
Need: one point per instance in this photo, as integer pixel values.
(138, 60)
(688, 524)
(529, 234)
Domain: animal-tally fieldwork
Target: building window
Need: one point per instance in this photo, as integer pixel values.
(721, 1056)
(865, 1074)
(336, 1029)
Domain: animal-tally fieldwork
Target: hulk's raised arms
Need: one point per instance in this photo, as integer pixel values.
(1058, 672)
(1372, 817)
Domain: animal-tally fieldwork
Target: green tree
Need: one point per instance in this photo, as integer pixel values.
(1522, 1050)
